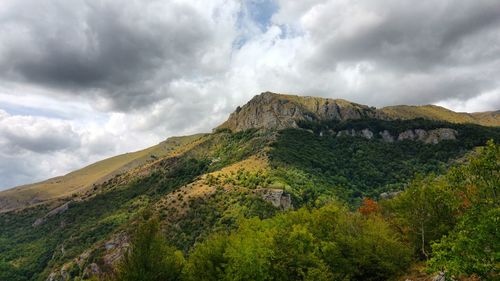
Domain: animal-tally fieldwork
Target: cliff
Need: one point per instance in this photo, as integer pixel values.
(275, 111)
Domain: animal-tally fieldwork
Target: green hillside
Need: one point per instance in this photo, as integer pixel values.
(83, 179)
(352, 198)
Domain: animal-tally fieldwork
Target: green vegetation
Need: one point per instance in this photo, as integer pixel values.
(446, 214)
(149, 258)
(354, 167)
(457, 213)
(64, 236)
(319, 244)
(220, 212)
(329, 243)
(473, 246)
(31, 253)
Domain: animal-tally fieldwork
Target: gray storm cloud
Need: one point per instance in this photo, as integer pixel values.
(150, 69)
(121, 51)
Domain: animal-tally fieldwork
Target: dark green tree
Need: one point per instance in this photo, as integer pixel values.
(149, 257)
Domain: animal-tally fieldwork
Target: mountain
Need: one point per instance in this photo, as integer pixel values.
(274, 111)
(282, 172)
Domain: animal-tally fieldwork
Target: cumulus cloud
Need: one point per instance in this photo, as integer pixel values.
(40, 135)
(82, 80)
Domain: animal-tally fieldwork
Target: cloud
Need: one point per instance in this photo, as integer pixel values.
(121, 53)
(41, 135)
(83, 80)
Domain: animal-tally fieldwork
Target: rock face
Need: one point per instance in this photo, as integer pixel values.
(61, 209)
(441, 276)
(386, 136)
(275, 111)
(431, 136)
(277, 197)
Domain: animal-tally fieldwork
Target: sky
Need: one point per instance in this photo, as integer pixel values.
(83, 80)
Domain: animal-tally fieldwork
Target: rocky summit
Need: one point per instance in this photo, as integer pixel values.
(279, 111)
(276, 111)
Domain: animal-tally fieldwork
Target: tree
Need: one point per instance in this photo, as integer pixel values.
(425, 211)
(206, 260)
(368, 207)
(473, 246)
(149, 257)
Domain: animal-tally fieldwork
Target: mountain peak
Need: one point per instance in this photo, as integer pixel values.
(278, 111)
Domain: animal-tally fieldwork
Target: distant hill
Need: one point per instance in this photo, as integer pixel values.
(83, 179)
(434, 112)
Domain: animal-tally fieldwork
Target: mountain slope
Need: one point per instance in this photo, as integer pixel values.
(292, 152)
(439, 113)
(83, 179)
(265, 111)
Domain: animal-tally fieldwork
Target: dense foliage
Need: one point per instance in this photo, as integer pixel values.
(64, 236)
(473, 246)
(448, 217)
(354, 167)
(149, 258)
(457, 213)
(329, 243)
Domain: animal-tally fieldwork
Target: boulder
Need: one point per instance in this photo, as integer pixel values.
(366, 133)
(407, 135)
(277, 197)
(386, 136)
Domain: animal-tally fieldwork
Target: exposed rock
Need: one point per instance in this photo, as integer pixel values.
(350, 133)
(407, 135)
(109, 245)
(91, 270)
(441, 276)
(389, 195)
(366, 133)
(421, 134)
(437, 135)
(116, 248)
(274, 111)
(277, 197)
(430, 137)
(386, 136)
(58, 210)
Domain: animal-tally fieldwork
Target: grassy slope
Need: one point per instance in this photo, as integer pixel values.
(434, 112)
(81, 180)
(31, 253)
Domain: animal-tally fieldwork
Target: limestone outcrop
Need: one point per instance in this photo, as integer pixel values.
(427, 136)
(275, 111)
(277, 197)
